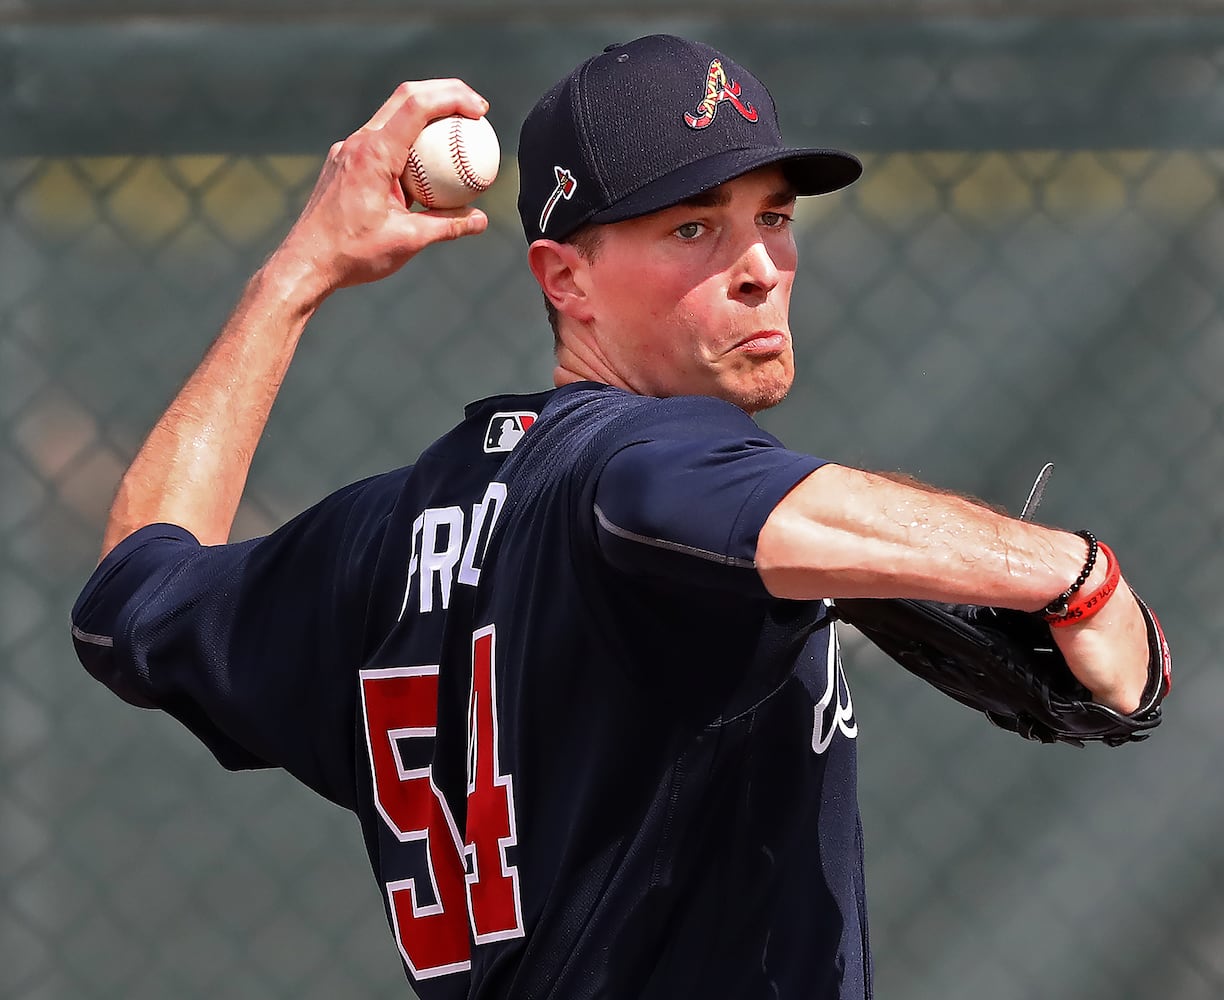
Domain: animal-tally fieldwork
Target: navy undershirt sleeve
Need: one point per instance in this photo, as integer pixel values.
(688, 503)
(250, 645)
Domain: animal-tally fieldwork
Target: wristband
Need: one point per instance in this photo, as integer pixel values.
(1059, 605)
(1088, 605)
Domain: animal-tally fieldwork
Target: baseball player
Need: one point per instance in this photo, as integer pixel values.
(572, 670)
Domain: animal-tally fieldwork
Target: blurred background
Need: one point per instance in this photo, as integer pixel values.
(1029, 271)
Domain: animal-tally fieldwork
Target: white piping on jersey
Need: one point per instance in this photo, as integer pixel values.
(663, 543)
(93, 640)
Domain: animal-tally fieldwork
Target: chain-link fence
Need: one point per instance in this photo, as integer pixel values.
(1029, 271)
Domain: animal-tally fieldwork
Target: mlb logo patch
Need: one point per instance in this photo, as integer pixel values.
(506, 430)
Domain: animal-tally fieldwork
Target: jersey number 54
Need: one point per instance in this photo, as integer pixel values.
(401, 704)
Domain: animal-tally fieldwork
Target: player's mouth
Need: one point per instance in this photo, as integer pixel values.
(763, 343)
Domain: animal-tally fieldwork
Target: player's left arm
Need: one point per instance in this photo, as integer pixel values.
(356, 227)
(706, 499)
(843, 532)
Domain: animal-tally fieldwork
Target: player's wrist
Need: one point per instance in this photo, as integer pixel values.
(1105, 568)
(1087, 595)
(292, 281)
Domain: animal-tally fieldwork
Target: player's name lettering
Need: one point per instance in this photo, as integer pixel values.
(447, 547)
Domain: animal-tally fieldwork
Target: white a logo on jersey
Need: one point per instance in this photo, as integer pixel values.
(834, 708)
(506, 430)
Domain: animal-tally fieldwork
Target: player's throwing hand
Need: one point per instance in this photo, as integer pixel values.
(356, 226)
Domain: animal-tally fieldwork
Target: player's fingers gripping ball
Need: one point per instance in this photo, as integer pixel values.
(453, 161)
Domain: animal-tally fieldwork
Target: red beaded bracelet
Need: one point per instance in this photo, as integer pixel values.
(1089, 604)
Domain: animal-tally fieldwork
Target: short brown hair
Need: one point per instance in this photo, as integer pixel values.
(586, 240)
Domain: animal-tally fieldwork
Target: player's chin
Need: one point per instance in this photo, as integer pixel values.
(762, 385)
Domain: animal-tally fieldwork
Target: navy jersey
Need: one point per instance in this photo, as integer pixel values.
(590, 754)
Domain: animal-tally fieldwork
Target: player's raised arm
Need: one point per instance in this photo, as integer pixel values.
(356, 227)
(843, 532)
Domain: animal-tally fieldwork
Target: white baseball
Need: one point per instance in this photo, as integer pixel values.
(453, 160)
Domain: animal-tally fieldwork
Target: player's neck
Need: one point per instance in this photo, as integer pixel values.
(582, 362)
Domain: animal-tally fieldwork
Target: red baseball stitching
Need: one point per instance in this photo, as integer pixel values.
(459, 157)
(420, 179)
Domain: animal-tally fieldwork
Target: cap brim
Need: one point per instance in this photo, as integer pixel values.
(811, 171)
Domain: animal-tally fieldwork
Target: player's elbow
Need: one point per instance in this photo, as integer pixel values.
(781, 572)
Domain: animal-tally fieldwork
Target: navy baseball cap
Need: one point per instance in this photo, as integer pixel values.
(647, 124)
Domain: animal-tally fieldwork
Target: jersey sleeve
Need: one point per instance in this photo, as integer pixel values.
(253, 646)
(687, 503)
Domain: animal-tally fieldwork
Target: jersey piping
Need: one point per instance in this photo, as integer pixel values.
(93, 640)
(670, 546)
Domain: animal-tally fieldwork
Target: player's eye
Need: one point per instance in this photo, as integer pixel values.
(775, 220)
(690, 230)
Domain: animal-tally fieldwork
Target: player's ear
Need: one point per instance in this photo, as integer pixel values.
(561, 271)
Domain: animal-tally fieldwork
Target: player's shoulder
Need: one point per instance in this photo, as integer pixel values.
(583, 425)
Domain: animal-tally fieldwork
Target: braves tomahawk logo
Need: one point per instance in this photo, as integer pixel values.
(717, 90)
(567, 184)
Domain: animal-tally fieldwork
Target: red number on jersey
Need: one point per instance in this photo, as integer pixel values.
(493, 891)
(401, 704)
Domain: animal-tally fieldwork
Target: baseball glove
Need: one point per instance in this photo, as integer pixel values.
(1005, 664)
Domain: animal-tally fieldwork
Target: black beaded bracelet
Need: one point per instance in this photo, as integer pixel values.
(1059, 605)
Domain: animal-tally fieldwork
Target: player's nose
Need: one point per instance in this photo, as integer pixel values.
(756, 273)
